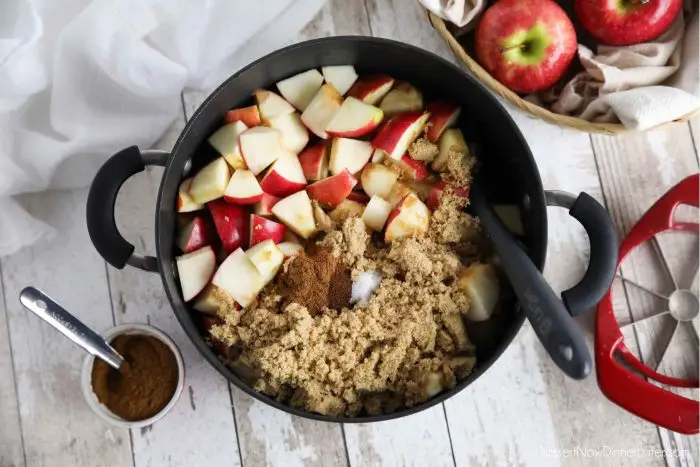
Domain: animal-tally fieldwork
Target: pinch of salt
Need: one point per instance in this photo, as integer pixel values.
(366, 283)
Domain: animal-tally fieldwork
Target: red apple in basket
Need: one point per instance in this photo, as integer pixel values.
(331, 191)
(527, 45)
(262, 229)
(626, 22)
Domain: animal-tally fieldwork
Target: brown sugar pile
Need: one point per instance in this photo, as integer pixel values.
(423, 150)
(459, 166)
(402, 346)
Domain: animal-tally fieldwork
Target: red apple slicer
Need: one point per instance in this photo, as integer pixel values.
(637, 384)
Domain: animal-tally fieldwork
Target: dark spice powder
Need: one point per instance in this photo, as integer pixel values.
(146, 382)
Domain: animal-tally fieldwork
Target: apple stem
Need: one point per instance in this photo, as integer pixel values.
(519, 46)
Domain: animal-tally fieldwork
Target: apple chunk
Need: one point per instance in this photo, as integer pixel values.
(225, 141)
(354, 119)
(480, 283)
(443, 115)
(262, 229)
(243, 188)
(194, 270)
(267, 258)
(409, 218)
(347, 209)
(436, 193)
(195, 235)
(376, 213)
(261, 146)
(295, 212)
(413, 169)
(398, 192)
(342, 77)
(397, 134)
(271, 105)
(231, 223)
(250, 116)
(284, 177)
(371, 89)
(300, 89)
(321, 110)
(451, 140)
(214, 301)
(377, 180)
(294, 133)
(331, 191)
(210, 182)
(239, 277)
(290, 249)
(314, 162)
(402, 98)
(185, 203)
(264, 206)
(358, 196)
(350, 154)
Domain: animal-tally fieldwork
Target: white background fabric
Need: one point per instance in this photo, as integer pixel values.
(81, 79)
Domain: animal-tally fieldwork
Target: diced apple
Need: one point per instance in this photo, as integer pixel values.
(376, 213)
(443, 115)
(210, 182)
(185, 203)
(323, 222)
(436, 193)
(350, 154)
(398, 133)
(321, 110)
(451, 140)
(358, 196)
(511, 217)
(342, 77)
(267, 258)
(195, 235)
(264, 206)
(231, 223)
(480, 283)
(398, 192)
(409, 218)
(243, 188)
(415, 170)
(239, 277)
(262, 229)
(378, 156)
(354, 119)
(225, 141)
(420, 187)
(377, 180)
(347, 209)
(402, 98)
(290, 236)
(295, 212)
(250, 116)
(271, 105)
(331, 191)
(214, 301)
(261, 146)
(290, 249)
(300, 89)
(294, 133)
(194, 270)
(284, 177)
(371, 89)
(314, 162)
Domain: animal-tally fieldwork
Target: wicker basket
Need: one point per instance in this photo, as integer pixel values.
(528, 107)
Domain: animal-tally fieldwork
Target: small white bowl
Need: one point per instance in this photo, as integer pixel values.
(100, 409)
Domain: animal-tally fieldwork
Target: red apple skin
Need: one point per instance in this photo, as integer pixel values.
(231, 223)
(264, 206)
(248, 115)
(618, 23)
(507, 18)
(199, 236)
(314, 162)
(435, 193)
(358, 196)
(331, 191)
(244, 201)
(441, 113)
(391, 132)
(370, 89)
(262, 229)
(277, 185)
(418, 169)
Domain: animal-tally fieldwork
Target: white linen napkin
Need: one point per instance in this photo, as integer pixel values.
(81, 79)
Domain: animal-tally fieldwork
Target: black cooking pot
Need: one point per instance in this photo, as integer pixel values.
(507, 167)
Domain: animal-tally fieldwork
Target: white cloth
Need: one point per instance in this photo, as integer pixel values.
(81, 79)
(462, 13)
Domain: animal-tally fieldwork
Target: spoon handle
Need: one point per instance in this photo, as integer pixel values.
(47, 309)
(549, 318)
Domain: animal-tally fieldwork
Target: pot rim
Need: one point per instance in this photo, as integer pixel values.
(183, 313)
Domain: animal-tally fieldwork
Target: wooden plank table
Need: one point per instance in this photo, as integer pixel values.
(520, 413)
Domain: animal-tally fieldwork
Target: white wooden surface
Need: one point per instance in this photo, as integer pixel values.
(521, 411)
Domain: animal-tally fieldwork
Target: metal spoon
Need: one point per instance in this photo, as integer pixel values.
(47, 309)
(549, 317)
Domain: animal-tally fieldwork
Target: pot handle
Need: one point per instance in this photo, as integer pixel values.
(102, 196)
(604, 242)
